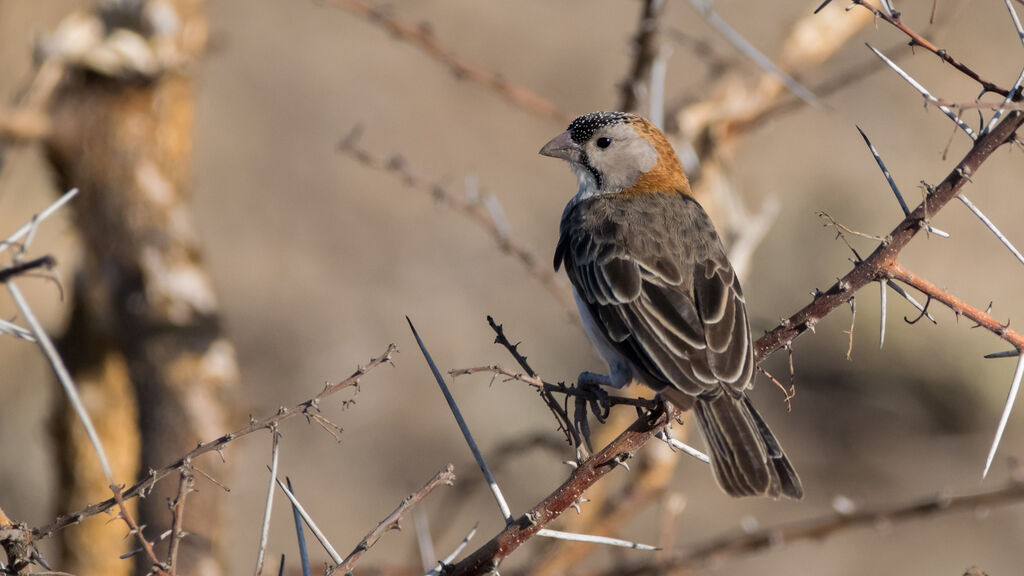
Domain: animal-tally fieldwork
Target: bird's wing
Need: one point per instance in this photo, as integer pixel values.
(672, 306)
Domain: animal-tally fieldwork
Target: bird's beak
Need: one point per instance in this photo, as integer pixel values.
(561, 146)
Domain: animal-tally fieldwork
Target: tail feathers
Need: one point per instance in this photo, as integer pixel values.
(745, 456)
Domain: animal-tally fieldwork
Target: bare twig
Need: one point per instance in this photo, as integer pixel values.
(583, 476)
(918, 40)
(958, 306)
(471, 208)
(422, 37)
(178, 512)
(20, 268)
(735, 545)
(750, 51)
(445, 476)
(645, 50)
(216, 445)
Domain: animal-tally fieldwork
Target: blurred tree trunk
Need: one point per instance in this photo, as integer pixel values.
(145, 310)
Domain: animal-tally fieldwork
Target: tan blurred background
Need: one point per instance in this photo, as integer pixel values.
(318, 259)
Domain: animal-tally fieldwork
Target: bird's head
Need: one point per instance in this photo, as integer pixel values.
(618, 152)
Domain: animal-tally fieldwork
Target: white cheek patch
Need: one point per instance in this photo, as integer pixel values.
(629, 157)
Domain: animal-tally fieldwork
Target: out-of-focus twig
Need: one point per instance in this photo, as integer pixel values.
(918, 40)
(445, 476)
(645, 50)
(306, 407)
(735, 545)
(471, 208)
(421, 36)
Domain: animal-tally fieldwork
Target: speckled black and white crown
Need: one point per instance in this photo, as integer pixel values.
(583, 127)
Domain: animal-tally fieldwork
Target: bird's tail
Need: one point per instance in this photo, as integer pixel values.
(745, 456)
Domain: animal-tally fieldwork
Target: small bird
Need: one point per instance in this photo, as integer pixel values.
(657, 294)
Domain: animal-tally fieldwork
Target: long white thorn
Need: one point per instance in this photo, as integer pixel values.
(1007, 408)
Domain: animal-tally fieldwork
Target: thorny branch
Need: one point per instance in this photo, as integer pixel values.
(421, 36)
(141, 487)
(178, 514)
(818, 529)
(482, 213)
(918, 40)
(445, 476)
(958, 306)
(875, 267)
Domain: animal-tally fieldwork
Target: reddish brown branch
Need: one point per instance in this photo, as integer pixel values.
(875, 266)
(487, 557)
(422, 37)
(918, 40)
(147, 546)
(307, 407)
(445, 476)
(958, 306)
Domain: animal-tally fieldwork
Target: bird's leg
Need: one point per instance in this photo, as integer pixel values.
(592, 386)
(590, 390)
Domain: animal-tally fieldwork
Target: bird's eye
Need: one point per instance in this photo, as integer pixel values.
(604, 142)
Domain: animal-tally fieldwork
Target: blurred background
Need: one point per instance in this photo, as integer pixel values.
(316, 259)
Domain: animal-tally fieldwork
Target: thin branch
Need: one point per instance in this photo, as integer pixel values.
(268, 507)
(469, 207)
(565, 424)
(422, 36)
(918, 40)
(445, 476)
(733, 546)
(750, 51)
(28, 266)
(645, 50)
(873, 267)
(958, 306)
(178, 518)
(591, 470)
(216, 445)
